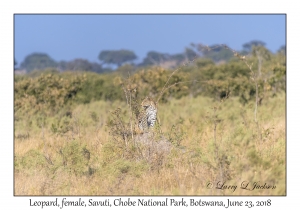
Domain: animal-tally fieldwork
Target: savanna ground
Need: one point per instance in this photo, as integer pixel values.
(63, 148)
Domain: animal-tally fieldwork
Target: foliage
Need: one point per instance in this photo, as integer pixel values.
(155, 58)
(217, 53)
(126, 70)
(282, 50)
(159, 59)
(32, 159)
(234, 77)
(47, 92)
(99, 87)
(53, 89)
(80, 65)
(203, 62)
(117, 57)
(179, 58)
(190, 54)
(247, 47)
(222, 55)
(37, 61)
(152, 81)
(74, 157)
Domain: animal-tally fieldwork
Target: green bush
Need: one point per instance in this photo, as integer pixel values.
(74, 157)
(33, 159)
(50, 90)
(47, 93)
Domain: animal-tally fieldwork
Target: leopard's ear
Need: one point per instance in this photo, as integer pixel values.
(154, 102)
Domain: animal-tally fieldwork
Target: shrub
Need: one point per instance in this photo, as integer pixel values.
(46, 93)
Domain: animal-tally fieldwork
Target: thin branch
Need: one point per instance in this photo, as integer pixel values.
(164, 87)
(181, 83)
(235, 53)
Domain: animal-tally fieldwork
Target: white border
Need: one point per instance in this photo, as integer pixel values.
(8, 8)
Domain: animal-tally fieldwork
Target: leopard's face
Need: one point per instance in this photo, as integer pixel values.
(147, 102)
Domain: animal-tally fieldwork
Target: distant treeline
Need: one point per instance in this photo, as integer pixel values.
(118, 58)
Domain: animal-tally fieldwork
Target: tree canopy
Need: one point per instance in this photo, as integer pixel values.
(282, 49)
(37, 61)
(155, 58)
(80, 64)
(117, 57)
(190, 54)
(247, 47)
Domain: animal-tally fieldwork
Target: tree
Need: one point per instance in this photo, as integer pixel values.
(221, 54)
(216, 52)
(247, 47)
(37, 61)
(155, 58)
(190, 54)
(117, 57)
(62, 65)
(79, 64)
(98, 68)
(179, 57)
(282, 49)
(15, 63)
(126, 70)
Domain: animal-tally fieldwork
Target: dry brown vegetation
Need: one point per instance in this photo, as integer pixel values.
(47, 163)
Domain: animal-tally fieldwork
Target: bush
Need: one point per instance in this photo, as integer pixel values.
(46, 93)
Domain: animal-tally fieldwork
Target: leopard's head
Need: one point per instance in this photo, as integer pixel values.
(147, 102)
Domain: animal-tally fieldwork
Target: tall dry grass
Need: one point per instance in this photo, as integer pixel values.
(212, 142)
